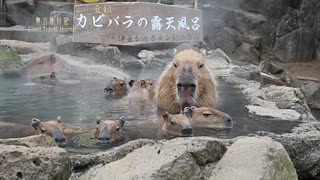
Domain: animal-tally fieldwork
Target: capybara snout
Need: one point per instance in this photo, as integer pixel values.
(53, 128)
(177, 124)
(186, 86)
(108, 131)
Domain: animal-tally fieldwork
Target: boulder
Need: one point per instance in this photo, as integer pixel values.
(272, 112)
(289, 22)
(303, 147)
(255, 158)
(246, 53)
(228, 39)
(288, 47)
(10, 62)
(20, 162)
(180, 158)
(26, 47)
(311, 91)
(30, 141)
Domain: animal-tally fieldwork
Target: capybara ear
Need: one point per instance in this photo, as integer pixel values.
(143, 83)
(166, 116)
(59, 119)
(35, 123)
(188, 112)
(98, 120)
(131, 83)
(122, 121)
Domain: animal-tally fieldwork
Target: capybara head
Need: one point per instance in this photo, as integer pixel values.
(186, 82)
(108, 131)
(138, 90)
(53, 128)
(208, 117)
(116, 86)
(150, 86)
(177, 124)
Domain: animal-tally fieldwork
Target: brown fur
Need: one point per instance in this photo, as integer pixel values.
(51, 128)
(113, 127)
(174, 124)
(139, 91)
(208, 117)
(166, 91)
(150, 86)
(119, 86)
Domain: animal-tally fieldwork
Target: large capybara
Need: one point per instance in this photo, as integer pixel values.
(53, 128)
(207, 117)
(177, 124)
(116, 87)
(108, 131)
(186, 82)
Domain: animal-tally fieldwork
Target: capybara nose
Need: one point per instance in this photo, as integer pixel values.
(187, 130)
(103, 139)
(228, 120)
(60, 140)
(186, 85)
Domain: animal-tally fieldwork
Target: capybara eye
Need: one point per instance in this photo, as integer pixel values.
(151, 84)
(207, 114)
(118, 129)
(43, 131)
(175, 65)
(201, 65)
(121, 84)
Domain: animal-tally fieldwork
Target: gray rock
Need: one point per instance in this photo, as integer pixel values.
(131, 62)
(228, 39)
(288, 47)
(10, 62)
(19, 162)
(26, 47)
(251, 158)
(289, 22)
(246, 53)
(180, 158)
(145, 54)
(311, 91)
(303, 147)
(277, 114)
(219, 53)
(110, 55)
(30, 141)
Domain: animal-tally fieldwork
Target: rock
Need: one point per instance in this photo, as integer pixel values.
(288, 47)
(87, 161)
(19, 162)
(255, 158)
(263, 103)
(278, 114)
(245, 72)
(228, 39)
(289, 22)
(69, 67)
(180, 158)
(219, 53)
(246, 53)
(131, 62)
(10, 62)
(30, 141)
(303, 147)
(26, 47)
(145, 54)
(311, 90)
(110, 55)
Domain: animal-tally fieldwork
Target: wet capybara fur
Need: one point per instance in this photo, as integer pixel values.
(108, 131)
(177, 124)
(138, 90)
(116, 87)
(53, 128)
(206, 117)
(186, 82)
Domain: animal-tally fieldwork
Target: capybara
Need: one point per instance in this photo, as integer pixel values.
(138, 91)
(177, 124)
(46, 78)
(116, 87)
(108, 131)
(53, 128)
(208, 118)
(186, 82)
(150, 86)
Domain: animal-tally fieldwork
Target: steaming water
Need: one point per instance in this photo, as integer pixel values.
(79, 103)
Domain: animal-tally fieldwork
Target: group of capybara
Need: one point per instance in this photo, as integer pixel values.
(185, 96)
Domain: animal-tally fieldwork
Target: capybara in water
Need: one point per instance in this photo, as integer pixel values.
(186, 82)
(150, 86)
(46, 78)
(138, 91)
(177, 124)
(108, 131)
(53, 128)
(208, 117)
(116, 87)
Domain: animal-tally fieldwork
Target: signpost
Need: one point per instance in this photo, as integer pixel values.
(132, 23)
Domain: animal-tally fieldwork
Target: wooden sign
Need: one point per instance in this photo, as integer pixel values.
(131, 23)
